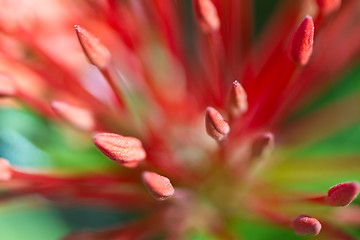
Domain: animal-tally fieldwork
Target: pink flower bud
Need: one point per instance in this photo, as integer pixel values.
(158, 186)
(305, 225)
(76, 116)
(216, 126)
(342, 194)
(127, 151)
(96, 52)
(238, 100)
(262, 145)
(206, 15)
(301, 46)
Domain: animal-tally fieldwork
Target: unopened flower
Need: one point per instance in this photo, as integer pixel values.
(151, 94)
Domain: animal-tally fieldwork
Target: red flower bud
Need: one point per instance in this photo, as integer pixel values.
(263, 144)
(301, 46)
(216, 126)
(76, 116)
(238, 100)
(158, 186)
(305, 225)
(342, 194)
(127, 151)
(96, 52)
(206, 15)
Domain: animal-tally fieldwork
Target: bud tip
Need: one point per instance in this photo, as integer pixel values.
(216, 126)
(343, 194)
(207, 15)
(127, 151)
(78, 117)
(158, 186)
(305, 225)
(238, 104)
(262, 145)
(301, 46)
(96, 52)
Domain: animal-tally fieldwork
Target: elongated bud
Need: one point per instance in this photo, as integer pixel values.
(96, 52)
(238, 104)
(7, 86)
(301, 46)
(342, 194)
(127, 151)
(76, 116)
(5, 170)
(158, 186)
(328, 6)
(216, 126)
(262, 145)
(206, 15)
(305, 225)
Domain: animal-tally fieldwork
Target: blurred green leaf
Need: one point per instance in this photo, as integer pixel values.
(200, 236)
(27, 219)
(250, 230)
(345, 142)
(348, 84)
(20, 152)
(28, 140)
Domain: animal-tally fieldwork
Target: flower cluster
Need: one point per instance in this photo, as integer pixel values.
(196, 116)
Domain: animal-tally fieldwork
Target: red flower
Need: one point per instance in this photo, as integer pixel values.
(158, 91)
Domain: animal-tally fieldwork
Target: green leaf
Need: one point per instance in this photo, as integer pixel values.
(20, 152)
(252, 230)
(200, 236)
(30, 219)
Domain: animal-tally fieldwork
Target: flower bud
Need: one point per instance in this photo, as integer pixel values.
(238, 104)
(76, 116)
(342, 194)
(262, 145)
(127, 151)
(207, 15)
(301, 46)
(158, 186)
(216, 126)
(96, 52)
(305, 225)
